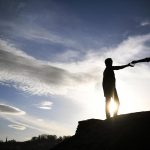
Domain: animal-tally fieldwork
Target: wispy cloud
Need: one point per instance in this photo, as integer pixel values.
(20, 120)
(6, 109)
(130, 49)
(39, 34)
(44, 105)
(34, 76)
(145, 23)
(43, 126)
(17, 127)
(38, 77)
(43, 35)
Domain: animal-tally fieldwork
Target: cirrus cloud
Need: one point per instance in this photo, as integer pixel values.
(44, 105)
(38, 77)
(6, 109)
(145, 23)
(17, 127)
(35, 76)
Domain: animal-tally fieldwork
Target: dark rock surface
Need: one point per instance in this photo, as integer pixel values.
(125, 132)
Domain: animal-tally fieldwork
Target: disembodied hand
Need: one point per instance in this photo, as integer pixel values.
(131, 64)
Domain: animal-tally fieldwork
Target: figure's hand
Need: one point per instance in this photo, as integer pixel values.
(131, 64)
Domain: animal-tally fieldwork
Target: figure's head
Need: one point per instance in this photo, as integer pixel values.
(108, 62)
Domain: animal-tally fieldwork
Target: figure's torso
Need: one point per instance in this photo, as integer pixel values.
(109, 77)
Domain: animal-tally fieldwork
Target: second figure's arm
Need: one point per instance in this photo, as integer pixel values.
(141, 60)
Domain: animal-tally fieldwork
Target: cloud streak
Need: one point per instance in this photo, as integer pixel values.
(145, 23)
(10, 110)
(32, 122)
(34, 76)
(21, 121)
(44, 105)
(38, 77)
(17, 127)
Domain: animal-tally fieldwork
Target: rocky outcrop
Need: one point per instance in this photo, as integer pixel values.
(125, 132)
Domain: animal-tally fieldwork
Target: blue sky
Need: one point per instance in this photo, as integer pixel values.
(52, 56)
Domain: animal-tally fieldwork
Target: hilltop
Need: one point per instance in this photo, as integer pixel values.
(125, 132)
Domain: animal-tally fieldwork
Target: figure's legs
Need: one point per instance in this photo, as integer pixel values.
(116, 99)
(108, 115)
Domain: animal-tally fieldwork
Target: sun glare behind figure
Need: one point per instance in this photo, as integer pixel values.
(112, 107)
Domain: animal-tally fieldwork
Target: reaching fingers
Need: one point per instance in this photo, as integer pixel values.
(131, 64)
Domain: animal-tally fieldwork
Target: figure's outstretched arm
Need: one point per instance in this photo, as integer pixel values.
(141, 60)
(121, 67)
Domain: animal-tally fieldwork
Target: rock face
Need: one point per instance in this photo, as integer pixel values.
(125, 132)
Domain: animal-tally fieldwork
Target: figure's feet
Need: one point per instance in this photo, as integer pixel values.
(115, 115)
(108, 116)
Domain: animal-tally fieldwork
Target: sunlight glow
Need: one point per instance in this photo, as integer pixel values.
(112, 107)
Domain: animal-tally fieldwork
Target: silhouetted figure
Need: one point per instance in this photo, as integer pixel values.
(141, 60)
(109, 86)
